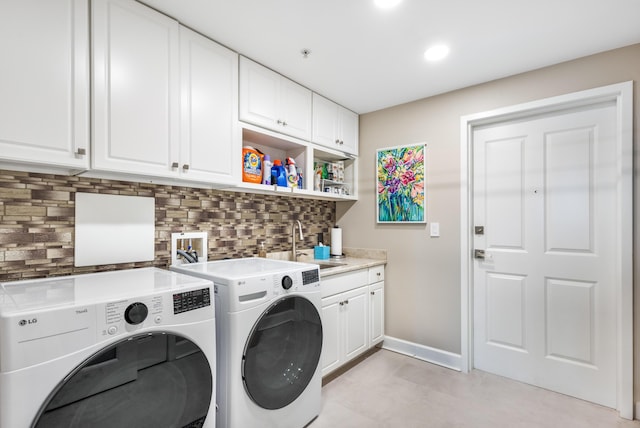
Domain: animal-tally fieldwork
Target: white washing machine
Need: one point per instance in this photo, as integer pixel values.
(269, 341)
(132, 348)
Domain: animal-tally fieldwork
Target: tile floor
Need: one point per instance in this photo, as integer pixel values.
(392, 390)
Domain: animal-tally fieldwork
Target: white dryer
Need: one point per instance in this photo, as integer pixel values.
(132, 348)
(269, 341)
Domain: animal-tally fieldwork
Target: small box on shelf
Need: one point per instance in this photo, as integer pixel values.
(335, 187)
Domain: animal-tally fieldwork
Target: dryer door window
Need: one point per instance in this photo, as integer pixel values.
(282, 352)
(152, 380)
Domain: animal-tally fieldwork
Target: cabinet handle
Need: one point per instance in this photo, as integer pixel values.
(341, 303)
(378, 273)
(284, 123)
(373, 293)
(81, 152)
(346, 302)
(174, 165)
(185, 167)
(337, 141)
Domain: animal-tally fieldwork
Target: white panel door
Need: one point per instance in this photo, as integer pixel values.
(259, 88)
(356, 319)
(349, 131)
(44, 82)
(210, 140)
(376, 313)
(272, 101)
(295, 105)
(135, 89)
(325, 122)
(331, 333)
(545, 295)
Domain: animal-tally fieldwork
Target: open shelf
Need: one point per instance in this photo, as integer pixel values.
(306, 155)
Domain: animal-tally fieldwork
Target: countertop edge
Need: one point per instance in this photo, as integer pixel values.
(350, 264)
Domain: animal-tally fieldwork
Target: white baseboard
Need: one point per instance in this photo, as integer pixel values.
(426, 353)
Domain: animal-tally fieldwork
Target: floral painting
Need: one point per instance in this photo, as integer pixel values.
(400, 176)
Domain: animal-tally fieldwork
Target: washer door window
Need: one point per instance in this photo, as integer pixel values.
(154, 380)
(282, 352)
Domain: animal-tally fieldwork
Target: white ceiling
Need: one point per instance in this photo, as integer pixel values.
(367, 59)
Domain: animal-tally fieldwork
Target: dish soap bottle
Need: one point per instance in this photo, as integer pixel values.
(262, 251)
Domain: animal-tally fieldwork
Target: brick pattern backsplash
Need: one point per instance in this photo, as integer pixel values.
(37, 219)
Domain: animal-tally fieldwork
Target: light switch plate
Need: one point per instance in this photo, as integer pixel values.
(435, 230)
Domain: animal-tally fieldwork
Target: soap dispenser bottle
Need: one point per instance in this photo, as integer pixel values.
(262, 252)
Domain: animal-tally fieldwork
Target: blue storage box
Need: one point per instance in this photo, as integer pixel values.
(321, 253)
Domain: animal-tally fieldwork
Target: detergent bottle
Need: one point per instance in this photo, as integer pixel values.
(251, 165)
(266, 169)
(278, 174)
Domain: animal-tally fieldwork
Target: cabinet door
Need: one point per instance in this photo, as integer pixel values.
(209, 143)
(376, 313)
(356, 322)
(295, 108)
(349, 130)
(272, 101)
(135, 90)
(331, 333)
(259, 88)
(44, 82)
(325, 122)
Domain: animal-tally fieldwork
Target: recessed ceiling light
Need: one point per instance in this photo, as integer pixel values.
(436, 52)
(387, 4)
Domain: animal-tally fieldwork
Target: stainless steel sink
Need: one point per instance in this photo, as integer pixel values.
(329, 265)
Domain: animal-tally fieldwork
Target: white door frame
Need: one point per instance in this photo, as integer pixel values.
(622, 95)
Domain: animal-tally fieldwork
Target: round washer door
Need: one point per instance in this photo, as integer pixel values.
(282, 352)
(157, 380)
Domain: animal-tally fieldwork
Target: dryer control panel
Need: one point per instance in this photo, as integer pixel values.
(190, 300)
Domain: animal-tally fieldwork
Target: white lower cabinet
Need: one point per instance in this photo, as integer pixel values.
(350, 326)
(376, 305)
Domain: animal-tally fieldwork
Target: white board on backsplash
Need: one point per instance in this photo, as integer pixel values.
(113, 229)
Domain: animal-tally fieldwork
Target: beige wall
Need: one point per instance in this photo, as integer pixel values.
(423, 273)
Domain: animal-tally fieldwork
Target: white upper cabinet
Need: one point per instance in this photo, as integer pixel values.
(44, 84)
(135, 89)
(334, 126)
(272, 101)
(165, 97)
(210, 136)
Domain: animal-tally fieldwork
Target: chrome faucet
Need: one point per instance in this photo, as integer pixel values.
(294, 254)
